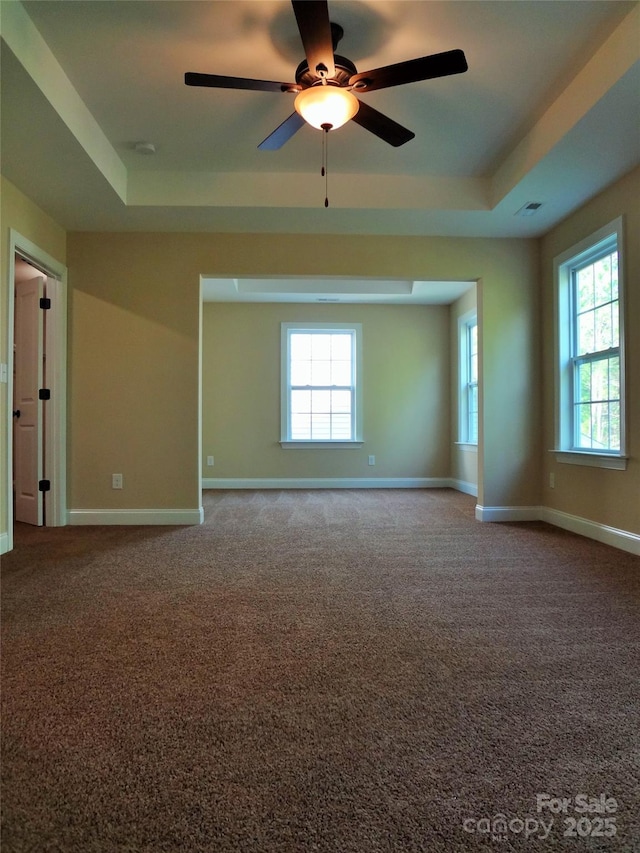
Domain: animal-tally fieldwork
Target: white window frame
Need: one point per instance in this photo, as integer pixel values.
(285, 385)
(607, 238)
(465, 323)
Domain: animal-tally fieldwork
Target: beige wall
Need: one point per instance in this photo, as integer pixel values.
(134, 348)
(607, 497)
(133, 372)
(509, 349)
(134, 344)
(19, 214)
(464, 457)
(405, 392)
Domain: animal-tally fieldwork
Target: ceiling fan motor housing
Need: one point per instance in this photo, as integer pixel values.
(345, 69)
(320, 37)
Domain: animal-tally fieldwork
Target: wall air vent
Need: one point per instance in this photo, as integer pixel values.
(529, 208)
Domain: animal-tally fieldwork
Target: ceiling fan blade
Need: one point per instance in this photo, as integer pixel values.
(217, 81)
(312, 17)
(382, 126)
(424, 68)
(283, 133)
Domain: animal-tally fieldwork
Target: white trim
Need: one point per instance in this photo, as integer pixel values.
(615, 537)
(286, 328)
(563, 264)
(196, 473)
(4, 543)
(79, 517)
(56, 420)
(56, 432)
(465, 321)
(507, 513)
(326, 483)
(34, 54)
(10, 315)
(622, 539)
(463, 486)
(320, 445)
(591, 460)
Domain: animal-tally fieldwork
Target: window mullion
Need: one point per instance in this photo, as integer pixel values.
(320, 352)
(590, 334)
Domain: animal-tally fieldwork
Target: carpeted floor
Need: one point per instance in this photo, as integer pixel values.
(332, 671)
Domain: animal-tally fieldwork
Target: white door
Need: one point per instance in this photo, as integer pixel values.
(27, 433)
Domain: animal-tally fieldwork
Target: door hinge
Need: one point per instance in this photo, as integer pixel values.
(44, 394)
(45, 303)
(44, 486)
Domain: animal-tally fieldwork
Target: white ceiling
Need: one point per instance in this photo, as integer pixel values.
(547, 112)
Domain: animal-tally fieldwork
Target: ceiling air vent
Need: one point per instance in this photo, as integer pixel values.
(529, 208)
(145, 148)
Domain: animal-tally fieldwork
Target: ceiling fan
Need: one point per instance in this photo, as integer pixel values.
(325, 82)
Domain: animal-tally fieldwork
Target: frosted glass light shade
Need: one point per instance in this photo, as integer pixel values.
(326, 105)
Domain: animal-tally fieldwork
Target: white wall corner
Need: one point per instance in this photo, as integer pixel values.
(463, 486)
(507, 513)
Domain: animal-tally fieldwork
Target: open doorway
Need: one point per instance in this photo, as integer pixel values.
(36, 479)
(30, 388)
(411, 381)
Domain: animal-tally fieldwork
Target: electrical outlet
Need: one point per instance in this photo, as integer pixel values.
(116, 481)
(552, 480)
(210, 461)
(372, 460)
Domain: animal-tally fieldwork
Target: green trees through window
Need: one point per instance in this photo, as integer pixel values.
(590, 371)
(596, 354)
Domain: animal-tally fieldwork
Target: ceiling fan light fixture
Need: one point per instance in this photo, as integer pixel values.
(326, 105)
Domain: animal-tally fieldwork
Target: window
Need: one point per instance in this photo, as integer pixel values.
(321, 384)
(468, 409)
(590, 363)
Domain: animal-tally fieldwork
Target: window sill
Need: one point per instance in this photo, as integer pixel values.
(591, 460)
(320, 445)
(467, 445)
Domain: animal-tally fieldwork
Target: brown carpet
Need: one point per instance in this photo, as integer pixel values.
(333, 671)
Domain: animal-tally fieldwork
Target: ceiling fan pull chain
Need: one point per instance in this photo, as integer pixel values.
(325, 164)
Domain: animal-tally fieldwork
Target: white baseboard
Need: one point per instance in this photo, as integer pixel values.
(80, 517)
(5, 543)
(341, 483)
(600, 532)
(507, 513)
(613, 536)
(463, 486)
(327, 483)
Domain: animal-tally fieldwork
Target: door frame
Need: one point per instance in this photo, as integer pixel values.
(55, 431)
